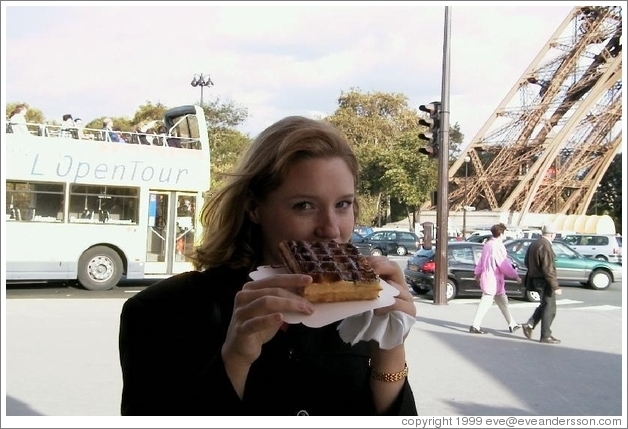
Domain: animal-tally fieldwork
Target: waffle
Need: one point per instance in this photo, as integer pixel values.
(339, 271)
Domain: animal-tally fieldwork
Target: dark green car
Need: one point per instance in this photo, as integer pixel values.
(571, 266)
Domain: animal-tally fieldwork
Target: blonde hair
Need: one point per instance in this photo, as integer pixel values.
(229, 237)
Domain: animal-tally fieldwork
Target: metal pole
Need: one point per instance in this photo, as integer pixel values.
(464, 203)
(442, 210)
(202, 95)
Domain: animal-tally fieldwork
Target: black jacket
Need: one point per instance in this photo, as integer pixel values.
(171, 335)
(541, 262)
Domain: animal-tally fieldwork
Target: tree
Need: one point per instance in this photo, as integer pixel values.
(120, 123)
(224, 115)
(383, 130)
(33, 115)
(226, 146)
(608, 196)
(455, 141)
(149, 112)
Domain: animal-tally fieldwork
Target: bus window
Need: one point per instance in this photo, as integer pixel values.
(37, 202)
(116, 204)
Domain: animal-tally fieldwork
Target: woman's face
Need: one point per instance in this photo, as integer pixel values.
(314, 203)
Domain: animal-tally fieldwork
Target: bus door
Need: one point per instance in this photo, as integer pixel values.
(185, 231)
(170, 235)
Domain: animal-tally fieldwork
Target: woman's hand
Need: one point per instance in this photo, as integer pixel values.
(390, 272)
(393, 360)
(257, 316)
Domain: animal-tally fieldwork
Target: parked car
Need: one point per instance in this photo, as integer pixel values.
(364, 248)
(605, 247)
(363, 230)
(479, 238)
(462, 257)
(571, 266)
(390, 242)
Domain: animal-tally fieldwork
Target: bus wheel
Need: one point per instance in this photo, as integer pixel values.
(100, 268)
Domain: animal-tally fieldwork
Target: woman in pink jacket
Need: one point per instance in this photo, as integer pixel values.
(490, 272)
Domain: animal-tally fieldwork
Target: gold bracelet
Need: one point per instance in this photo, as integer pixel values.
(389, 377)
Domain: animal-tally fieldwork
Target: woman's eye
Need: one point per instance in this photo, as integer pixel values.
(345, 204)
(303, 205)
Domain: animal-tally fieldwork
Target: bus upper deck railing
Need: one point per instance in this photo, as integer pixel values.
(105, 135)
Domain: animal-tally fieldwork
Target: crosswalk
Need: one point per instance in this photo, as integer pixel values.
(577, 305)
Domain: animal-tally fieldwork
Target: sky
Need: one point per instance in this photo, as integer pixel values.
(273, 58)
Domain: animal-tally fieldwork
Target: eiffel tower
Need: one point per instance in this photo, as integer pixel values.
(547, 145)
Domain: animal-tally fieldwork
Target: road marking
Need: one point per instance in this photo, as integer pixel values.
(536, 304)
(525, 304)
(512, 303)
(598, 307)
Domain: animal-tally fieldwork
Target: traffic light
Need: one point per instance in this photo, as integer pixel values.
(432, 134)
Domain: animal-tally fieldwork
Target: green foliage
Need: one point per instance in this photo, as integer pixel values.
(120, 123)
(33, 115)
(226, 146)
(384, 130)
(368, 210)
(608, 196)
(149, 112)
(224, 115)
(455, 141)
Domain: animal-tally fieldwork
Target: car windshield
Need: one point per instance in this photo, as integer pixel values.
(426, 253)
(562, 250)
(356, 238)
(423, 255)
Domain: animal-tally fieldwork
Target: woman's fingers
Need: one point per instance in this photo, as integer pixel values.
(387, 270)
(256, 303)
(390, 272)
(289, 281)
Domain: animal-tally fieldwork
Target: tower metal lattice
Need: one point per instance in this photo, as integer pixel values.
(547, 145)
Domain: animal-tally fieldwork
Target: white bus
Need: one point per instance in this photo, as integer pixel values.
(82, 207)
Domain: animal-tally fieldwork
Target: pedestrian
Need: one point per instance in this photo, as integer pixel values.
(541, 262)
(213, 342)
(490, 273)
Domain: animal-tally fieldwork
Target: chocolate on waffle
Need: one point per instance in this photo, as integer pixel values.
(338, 270)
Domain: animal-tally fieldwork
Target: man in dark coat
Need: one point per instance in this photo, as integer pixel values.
(541, 262)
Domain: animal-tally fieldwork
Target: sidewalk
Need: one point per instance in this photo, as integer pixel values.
(62, 360)
(455, 373)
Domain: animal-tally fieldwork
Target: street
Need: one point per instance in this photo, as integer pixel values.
(62, 356)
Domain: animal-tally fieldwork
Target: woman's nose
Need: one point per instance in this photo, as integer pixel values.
(327, 226)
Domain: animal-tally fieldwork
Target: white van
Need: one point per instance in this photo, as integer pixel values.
(606, 247)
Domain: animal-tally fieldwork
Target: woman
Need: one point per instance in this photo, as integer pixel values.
(213, 342)
(490, 272)
(17, 120)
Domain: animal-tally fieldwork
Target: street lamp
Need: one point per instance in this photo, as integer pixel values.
(464, 204)
(201, 80)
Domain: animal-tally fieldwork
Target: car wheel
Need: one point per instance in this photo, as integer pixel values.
(418, 290)
(599, 279)
(451, 290)
(532, 296)
(376, 252)
(601, 258)
(402, 251)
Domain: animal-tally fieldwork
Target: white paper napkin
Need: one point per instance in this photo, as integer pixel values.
(388, 330)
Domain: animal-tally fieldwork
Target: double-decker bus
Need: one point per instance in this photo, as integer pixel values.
(81, 206)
